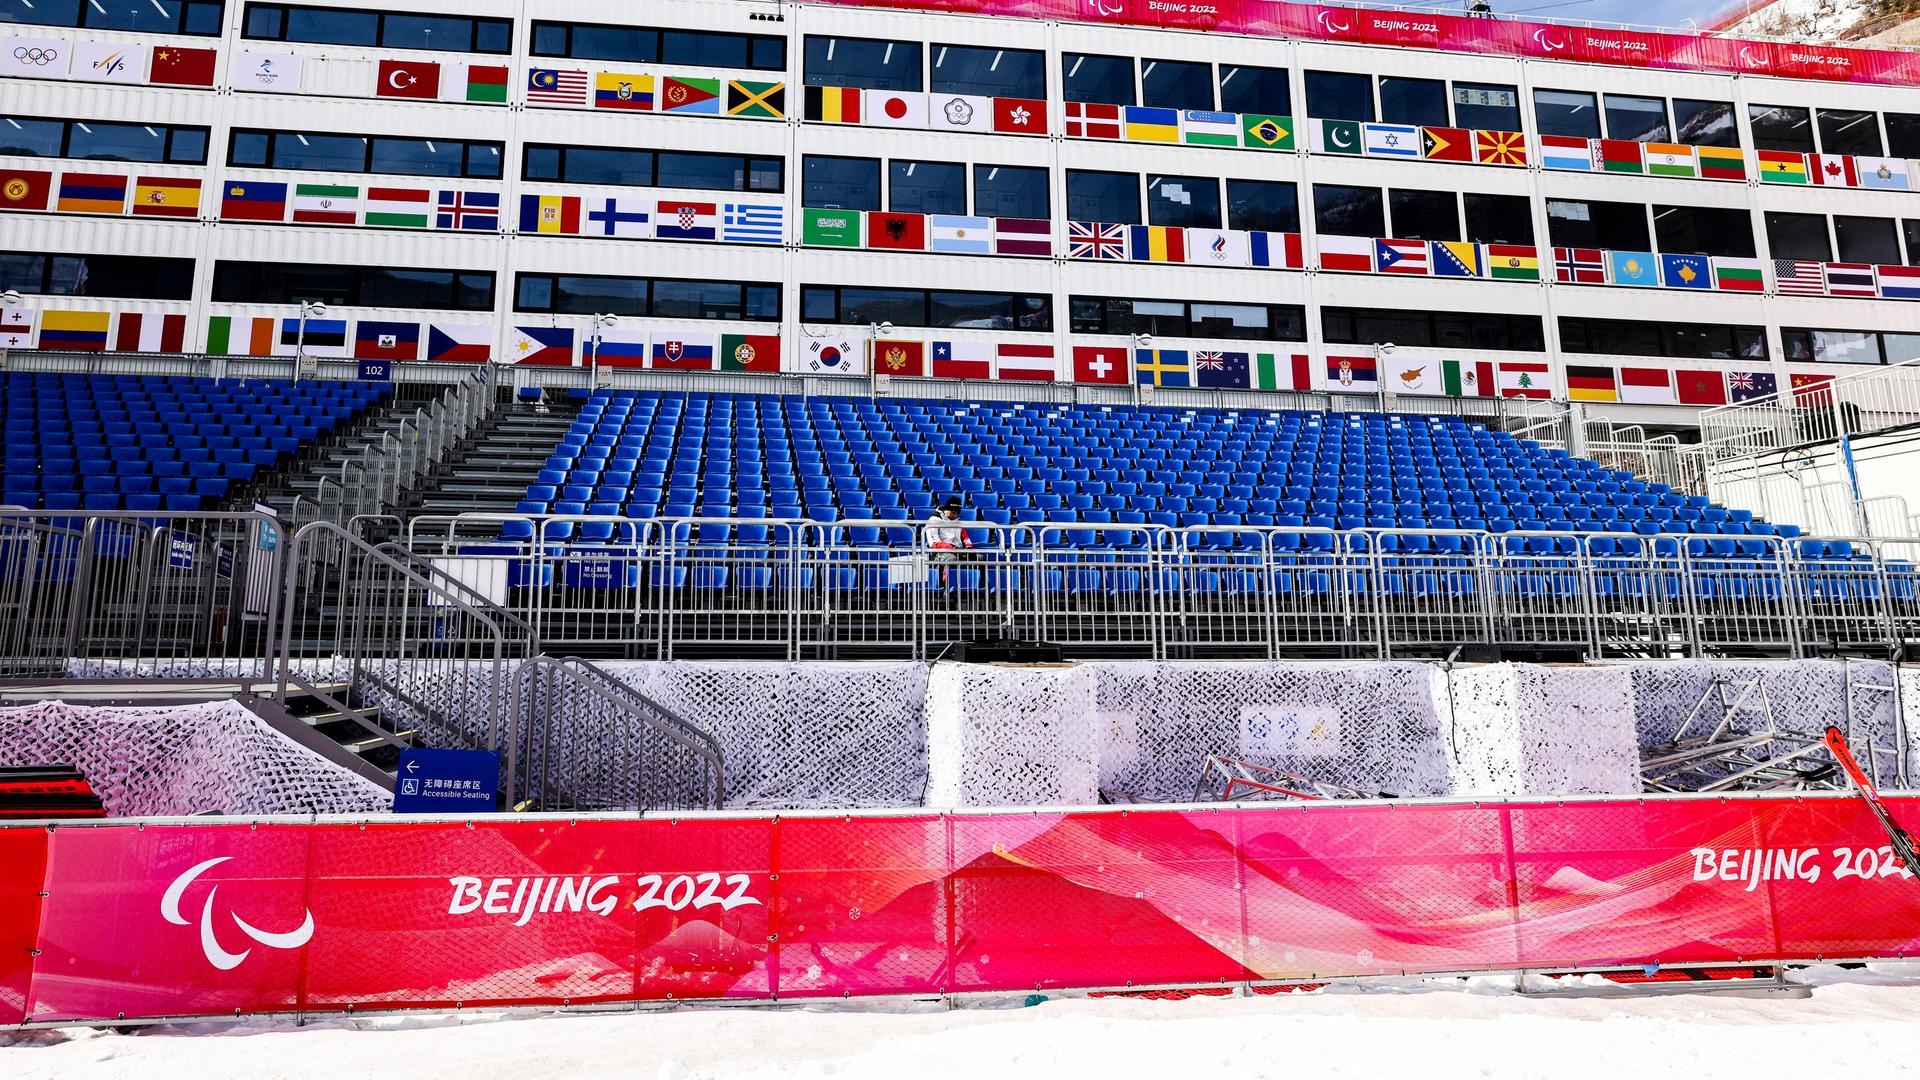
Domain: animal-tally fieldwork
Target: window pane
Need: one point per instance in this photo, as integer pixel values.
(927, 187)
(1255, 90)
(98, 141)
(416, 157)
(1865, 239)
(1498, 219)
(1107, 80)
(249, 148)
(1846, 132)
(189, 146)
(903, 307)
(580, 294)
(702, 172)
(1701, 230)
(1176, 84)
(22, 272)
(1348, 211)
(1903, 135)
(1911, 229)
(533, 292)
(473, 290)
(637, 44)
(1263, 206)
(1566, 112)
(1338, 95)
(148, 15)
(696, 300)
(1103, 196)
(1704, 123)
(427, 32)
(832, 183)
(324, 153)
(1158, 317)
(384, 287)
(1489, 106)
(1083, 312)
(704, 49)
(1637, 119)
(1011, 191)
(1798, 236)
(593, 165)
(131, 276)
(965, 69)
(1845, 347)
(1229, 320)
(763, 302)
(328, 26)
(41, 12)
(1413, 101)
(263, 20)
(1780, 127)
(1424, 215)
(1900, 348)
(492, 36)
(768, 54)
(1187, 201)
(819, 304)
(1620, 226)
(971, 311)
(21, 137)
(767, 174)
(863, 62)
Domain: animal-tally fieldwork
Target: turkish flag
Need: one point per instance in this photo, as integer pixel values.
(1099, 364)
(1019, 116)
(409, 79)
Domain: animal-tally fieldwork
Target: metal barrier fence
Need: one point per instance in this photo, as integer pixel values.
(590, 742)
(811, 590)
(1857, 404)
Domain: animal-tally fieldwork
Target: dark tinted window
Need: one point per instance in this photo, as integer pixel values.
(1590, 224)
(1489, 106)
(1798, 236)
(836, 183)
(1704, 341)
(1015, 191)
(1424, 215)
(1348, 211)
(967, 69)
(391, 30)
(666, 298)
(927, 187)
(1846, 132)
(134, 277)
(1911, 231)
(1903, 135)
(1413, 101)
(1176, 84)
(102, 140)
(1255, 90)
(1865, 239)
(1187, 201)
(1566, 112)
(1103, 196)
(1702, 230)
(1263, 206)
(1339, 95)
(147, 16)
(1704, 123)
(1187, 318)
(358, 153)
(1637, 119)
(1104, 79)
(1781, 127)
(940, 308)
(863, 62)
(365, 286)
(24, 136)
(645, 45)
(1431, 329)
(1498, 219)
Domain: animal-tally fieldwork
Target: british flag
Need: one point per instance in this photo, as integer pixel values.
(1579, 266)
(1096, 240)
(1210, 361)
(1794, 277)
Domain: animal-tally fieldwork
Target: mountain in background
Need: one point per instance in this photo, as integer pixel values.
(1853, 22)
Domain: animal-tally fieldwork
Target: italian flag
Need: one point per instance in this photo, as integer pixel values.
(1279, 371)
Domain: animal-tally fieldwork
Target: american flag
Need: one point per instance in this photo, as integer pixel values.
(1793, 277)
(556, 86)
(1096, 240)
(1580, 266)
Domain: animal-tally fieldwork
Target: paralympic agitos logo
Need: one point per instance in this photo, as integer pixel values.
(216, 953)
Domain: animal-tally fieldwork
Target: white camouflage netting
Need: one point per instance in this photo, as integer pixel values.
(1005, 736)
(1541, 729)
(183, 759)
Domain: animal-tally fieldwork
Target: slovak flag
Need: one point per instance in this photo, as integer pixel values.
(683, 352)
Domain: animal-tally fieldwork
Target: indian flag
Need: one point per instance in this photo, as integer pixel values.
(1671, 159)
(1210, 128)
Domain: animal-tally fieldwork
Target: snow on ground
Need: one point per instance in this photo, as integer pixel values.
(1857, 1024)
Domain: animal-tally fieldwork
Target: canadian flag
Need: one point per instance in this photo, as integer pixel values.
(1099, 364)
(892, 108)
(1033, 363)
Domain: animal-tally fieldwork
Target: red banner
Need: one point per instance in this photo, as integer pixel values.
(212, 919)
(1412, 29)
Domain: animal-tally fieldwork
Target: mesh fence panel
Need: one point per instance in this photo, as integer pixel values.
(1528, 729)
(183, 759)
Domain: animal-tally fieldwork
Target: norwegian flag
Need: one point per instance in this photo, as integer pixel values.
(1580, 266)
(1096, 240)
(1794, 277)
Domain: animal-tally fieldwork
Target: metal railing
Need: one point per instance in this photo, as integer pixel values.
(1859, 404)
(591, 742)
(396, 463)
(811, 590)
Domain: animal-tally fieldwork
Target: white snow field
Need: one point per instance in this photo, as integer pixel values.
(1859, 1024)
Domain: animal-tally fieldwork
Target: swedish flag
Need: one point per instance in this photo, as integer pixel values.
(1161, 367)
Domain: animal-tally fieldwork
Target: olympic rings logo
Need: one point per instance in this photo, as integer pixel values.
(35, 55)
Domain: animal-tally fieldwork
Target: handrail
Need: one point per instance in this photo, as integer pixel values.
(630, 704)
(425, 565)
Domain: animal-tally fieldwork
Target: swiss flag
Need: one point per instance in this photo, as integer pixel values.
(409, 79)
(1019, 116)
(1099, 364)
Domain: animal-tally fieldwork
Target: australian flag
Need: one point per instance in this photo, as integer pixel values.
(1748, 385)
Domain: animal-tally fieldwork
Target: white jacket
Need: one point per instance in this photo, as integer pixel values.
(942, 531)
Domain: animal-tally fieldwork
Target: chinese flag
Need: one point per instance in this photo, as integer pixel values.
(174, 66)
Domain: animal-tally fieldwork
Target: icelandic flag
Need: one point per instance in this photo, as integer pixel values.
(473, 211)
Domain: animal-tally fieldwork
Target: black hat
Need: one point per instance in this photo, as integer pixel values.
(952, 504)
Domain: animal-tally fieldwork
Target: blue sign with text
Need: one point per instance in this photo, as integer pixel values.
(376, 370)
(446, 782)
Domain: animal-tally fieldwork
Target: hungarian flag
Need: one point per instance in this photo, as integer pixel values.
(750, 352)
(174, 66)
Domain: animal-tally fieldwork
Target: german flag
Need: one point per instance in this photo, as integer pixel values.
(833, 104)
(1592, 383)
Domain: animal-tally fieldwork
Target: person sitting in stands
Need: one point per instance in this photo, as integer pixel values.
(945, 536)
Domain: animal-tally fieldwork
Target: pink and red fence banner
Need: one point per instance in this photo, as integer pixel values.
(176, 919)
(1423, 30)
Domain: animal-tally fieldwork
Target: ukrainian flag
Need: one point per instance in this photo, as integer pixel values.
(1152, 125)
(1161, 367)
